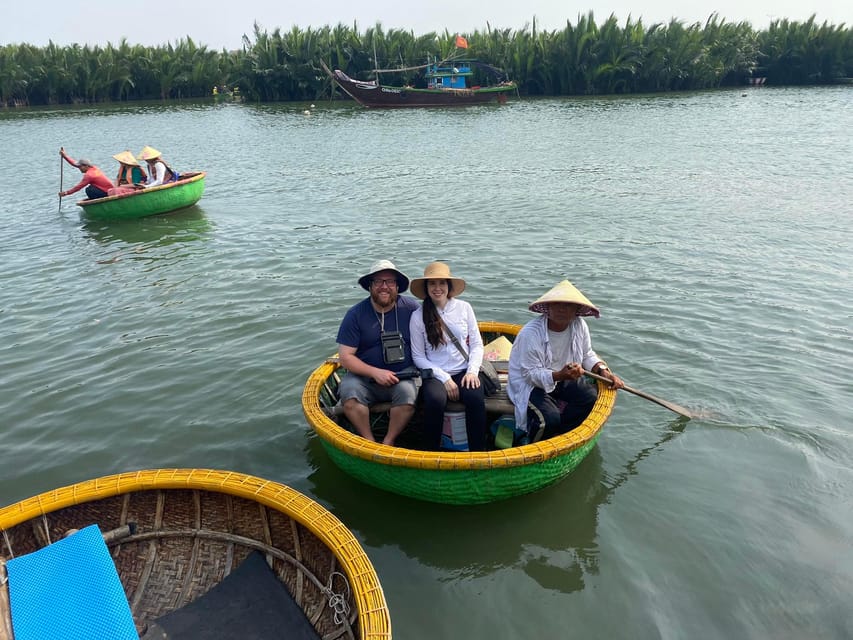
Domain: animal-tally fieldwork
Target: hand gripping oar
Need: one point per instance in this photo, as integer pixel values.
(668, 405)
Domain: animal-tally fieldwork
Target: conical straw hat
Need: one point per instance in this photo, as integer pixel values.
(565, 291)
(126, 157)
(149, 153)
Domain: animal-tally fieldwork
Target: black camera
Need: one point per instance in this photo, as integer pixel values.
(393, 347)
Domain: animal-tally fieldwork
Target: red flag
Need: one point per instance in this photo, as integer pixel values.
(461, 42)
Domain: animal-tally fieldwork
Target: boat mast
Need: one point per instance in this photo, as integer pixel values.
(375, 60)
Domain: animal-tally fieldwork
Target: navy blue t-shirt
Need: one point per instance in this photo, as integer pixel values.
(360, 328)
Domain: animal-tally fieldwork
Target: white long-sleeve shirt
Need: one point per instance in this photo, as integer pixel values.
(159, 174)
(531, 361)
(458, 317)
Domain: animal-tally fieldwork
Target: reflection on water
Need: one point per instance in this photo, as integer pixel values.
(181, 226)
(470, 541)
(713, 231)
(555, 547)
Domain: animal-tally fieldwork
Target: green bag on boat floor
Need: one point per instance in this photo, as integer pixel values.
(506, 434)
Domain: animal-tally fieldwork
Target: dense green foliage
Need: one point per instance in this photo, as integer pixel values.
(582, 58)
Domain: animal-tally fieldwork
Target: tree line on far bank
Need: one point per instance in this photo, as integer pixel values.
(585, 58)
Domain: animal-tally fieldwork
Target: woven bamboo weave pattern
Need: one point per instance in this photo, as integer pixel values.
(192, 527)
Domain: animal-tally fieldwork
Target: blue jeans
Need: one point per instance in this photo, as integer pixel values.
(579, 397)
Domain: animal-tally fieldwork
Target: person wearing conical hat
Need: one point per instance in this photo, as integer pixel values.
(548, 359)
(129, 170)
(375, 348)
(455, 375)
(161, 173)
(97, 184)
(130, 176)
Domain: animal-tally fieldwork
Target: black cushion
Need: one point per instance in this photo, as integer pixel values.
(250, 603)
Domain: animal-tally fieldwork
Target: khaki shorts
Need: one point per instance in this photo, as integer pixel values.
(367, 392)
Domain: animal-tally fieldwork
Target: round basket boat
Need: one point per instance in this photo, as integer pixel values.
(152, 201)
(450, 477)
(177, 536)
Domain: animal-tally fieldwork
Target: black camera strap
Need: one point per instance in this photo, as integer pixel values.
(454, 339)
(382, 319)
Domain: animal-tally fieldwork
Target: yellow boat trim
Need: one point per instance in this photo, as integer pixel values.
(375, 622)
(357, 446)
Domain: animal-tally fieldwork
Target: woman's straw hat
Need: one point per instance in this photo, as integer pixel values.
(564, 291)
(126, 157)
(436, 271)
(149, 153)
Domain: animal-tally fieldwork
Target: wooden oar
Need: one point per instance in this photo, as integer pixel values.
(668, 405)
(61, 169)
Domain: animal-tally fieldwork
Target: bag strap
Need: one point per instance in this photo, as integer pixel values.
(454, 339)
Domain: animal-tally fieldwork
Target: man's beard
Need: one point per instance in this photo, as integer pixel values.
(392, 299)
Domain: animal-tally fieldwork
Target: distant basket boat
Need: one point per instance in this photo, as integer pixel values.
(449, 476)
(152, 201)
(176, 534)
(447, 86)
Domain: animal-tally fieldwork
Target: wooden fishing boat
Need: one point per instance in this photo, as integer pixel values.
(180, 537)
(449, 476)
(164, 198)
(447, 86)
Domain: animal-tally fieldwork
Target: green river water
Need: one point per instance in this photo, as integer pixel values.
(714, 230)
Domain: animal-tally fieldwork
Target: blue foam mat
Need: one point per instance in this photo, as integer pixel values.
(69, 590)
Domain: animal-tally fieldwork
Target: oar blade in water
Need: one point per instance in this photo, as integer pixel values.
(664, 403)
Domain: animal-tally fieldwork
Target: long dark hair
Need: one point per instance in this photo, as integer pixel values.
(432, 322)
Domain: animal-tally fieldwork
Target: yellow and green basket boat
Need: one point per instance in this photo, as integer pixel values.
(450, 477)
(177, 537)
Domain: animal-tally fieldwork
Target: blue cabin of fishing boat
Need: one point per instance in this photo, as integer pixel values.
(448, 75)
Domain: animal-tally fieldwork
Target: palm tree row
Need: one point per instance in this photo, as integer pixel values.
(582, 58)
(66, 75)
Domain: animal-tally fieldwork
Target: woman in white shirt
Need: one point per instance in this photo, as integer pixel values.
(160, 172)
(455, 376)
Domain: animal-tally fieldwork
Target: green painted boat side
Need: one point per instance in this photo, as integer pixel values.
(460, 486)
(445, 476)
(148, 202)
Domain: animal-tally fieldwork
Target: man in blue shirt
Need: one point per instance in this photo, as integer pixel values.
(374, 347)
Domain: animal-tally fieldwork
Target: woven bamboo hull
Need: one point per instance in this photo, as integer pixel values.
(451, 477)
(148, 202)
(193, 526)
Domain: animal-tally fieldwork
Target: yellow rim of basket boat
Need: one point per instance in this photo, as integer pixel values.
(367, 591)
(358, 447)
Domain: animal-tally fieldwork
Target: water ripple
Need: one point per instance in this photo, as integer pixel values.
(712, 230)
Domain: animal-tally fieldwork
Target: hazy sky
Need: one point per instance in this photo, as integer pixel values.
(219, 23)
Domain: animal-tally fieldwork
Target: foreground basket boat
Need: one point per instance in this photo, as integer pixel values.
(165, 198)
(175, 533)
(451, 477)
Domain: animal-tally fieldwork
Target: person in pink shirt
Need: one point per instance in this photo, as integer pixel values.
(97, 184)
